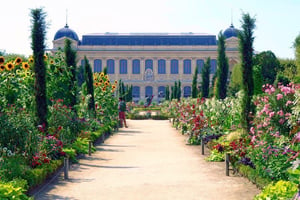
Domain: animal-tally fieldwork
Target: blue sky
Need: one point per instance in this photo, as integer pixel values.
(277, 22)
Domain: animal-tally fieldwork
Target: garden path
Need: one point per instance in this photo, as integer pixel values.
(151, 161)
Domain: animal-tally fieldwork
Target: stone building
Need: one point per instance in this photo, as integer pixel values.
(150, 61)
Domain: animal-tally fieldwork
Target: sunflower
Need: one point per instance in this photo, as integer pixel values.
(106, 83)
(51, 62)
(30, 60)
(9, 66)
(45, 57)
(18, 61)
(113, 86)
(102, 74)
(25, 65)
(103, 89)
(2, 60)
(116, 81)
(106, 76)
(101, 81)
(2, 67)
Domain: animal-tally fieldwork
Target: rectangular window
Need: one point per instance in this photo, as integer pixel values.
(123, 66)
(174, 66)
(161, 66)
(187, 69)
(136, 66)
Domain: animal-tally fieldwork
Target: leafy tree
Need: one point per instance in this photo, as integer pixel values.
(128, 93)
(289, 69)
(205, 78)
(70, 59)
(194, 84)
(235, 79)
(88, 76)
(105, 70)
(270, 65)
(38, 35)
(257, 79)
(223, 66)
(297, 56)
(167, 93)
(246, 40)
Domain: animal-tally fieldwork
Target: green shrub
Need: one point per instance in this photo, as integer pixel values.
(13, 190)
(71, 153)
(215, 156)
(12, 167)
(280, 190)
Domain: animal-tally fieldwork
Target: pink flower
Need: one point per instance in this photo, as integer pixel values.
(271, 114)
(280, 113)
(279, 96)
(288, 103)
(281, 121)
(252, 130)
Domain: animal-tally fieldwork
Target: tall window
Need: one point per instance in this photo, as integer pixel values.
(213, 66)
(110, 66)
(187, 91)
(123, 66)
(200, 65)
(97, 65)
(161, 91)
(187, 68)
(161, 66)
(136, 92)
(148, 91)
(136, 66)
(174, 66)
(149, 64)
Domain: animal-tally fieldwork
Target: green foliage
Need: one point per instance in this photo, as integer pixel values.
(297, 56)
(205, 78)
(194, 84)
(257, 79)
(235, 80)
(246, 40)
(12, 167)
(38, 35)
(14, 189)
(215, 156)
(269, 66)
(223, 67)
(71, 153)
(178, 93)
(81, 146)
(167, 92)
(289, 69)
(89, 86)
(281, 190)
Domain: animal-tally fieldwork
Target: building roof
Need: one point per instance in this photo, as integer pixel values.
(231, 32)
(66, 32)
(147, 39)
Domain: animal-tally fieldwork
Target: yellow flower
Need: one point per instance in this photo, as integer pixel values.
(101, 81)
(103, 89)
(2, 60)
(45, 57)
(106, 76)
(51, 62)
(30, 60)
(18, 61)
(102, 74)
(106, 83)
(9, 66)
(116, 81)
(25, 65)
(2, 67)
(113, 86)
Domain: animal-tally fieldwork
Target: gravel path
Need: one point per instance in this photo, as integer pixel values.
(148, 161)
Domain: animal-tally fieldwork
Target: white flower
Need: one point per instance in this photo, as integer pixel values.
(4, 149)
(295, 164)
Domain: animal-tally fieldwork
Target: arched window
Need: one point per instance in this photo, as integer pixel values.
(97, 65)
(200, 65)
(110, 66)
(136, 92)
(187, 91)
(187, 68)
(123, 66)
(161, 91)
(174, 66)
(148, 91)
(136, 66)
(149, 64)
(161, 66)
(213, 66)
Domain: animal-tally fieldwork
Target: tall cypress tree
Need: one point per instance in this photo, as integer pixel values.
(38, 35)
(223, 66)
(70, 59)
(88, 75)
(246, 40)
(194, 84)
(205, 78)
(178, 96)
(167, 93)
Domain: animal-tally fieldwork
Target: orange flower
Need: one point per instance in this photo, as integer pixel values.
(116, 81)
(102, 74)
(25, 65)
(9, 66)
(45, 57)
(103, 89)
(18, 61)
(2, 60)
(51, 62)
(106, 83)
(2, 67)
(113, 86)
(30, 60)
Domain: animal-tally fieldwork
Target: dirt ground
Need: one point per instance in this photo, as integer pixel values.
(147, 161)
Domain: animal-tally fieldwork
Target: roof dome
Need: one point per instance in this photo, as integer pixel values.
(66, 32)
(231, 32)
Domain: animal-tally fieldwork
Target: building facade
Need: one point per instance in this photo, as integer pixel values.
(150, 61)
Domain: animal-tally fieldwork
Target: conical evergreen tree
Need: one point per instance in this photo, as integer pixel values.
(194, 84)
(38, 35)
(222, 71)
(246, 40)
(167, 93)
(178, 96)
(205, 78)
